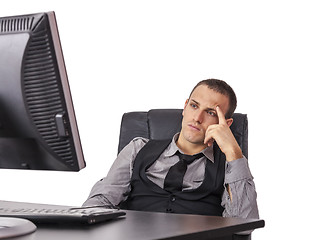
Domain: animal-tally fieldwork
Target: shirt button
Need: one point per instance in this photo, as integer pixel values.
(173, 199)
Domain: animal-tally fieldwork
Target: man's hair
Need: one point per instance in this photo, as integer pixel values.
(223, 88)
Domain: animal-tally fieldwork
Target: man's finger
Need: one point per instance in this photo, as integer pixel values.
(209, 140)
(221, 116)
(210, 134)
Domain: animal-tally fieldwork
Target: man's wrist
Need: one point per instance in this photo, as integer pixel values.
(234, 154)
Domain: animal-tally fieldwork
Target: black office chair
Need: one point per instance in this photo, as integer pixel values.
(164, 123)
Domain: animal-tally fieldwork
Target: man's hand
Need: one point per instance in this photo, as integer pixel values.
(223, 136)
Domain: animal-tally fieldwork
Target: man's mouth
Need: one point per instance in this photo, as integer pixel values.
(194, 127)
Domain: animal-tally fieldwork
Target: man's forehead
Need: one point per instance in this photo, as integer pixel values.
(208, 98)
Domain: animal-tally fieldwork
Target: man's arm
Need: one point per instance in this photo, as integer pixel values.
(239, 199)
(114, 188)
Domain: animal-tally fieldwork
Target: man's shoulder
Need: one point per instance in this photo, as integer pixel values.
(136, 144)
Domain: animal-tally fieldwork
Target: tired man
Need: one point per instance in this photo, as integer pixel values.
(201, 170)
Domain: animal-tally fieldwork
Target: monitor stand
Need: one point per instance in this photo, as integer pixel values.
(14, 227)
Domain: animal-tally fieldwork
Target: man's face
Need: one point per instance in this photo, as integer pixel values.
(199, 113)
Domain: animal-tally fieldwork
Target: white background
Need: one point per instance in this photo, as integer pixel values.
(136, 55)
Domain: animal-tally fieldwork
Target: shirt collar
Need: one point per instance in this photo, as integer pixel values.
(173, 148)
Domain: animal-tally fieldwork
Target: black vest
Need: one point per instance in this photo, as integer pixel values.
(147, 196)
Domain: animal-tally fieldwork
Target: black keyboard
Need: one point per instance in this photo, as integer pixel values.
(89, 215)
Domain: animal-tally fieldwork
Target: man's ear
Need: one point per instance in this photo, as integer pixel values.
(186, 103)
(229, 121)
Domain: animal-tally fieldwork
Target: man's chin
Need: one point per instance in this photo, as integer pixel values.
(195, 140)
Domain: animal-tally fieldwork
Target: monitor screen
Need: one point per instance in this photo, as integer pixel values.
(38, 129)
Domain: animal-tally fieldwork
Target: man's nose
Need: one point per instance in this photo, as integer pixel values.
(198, 116)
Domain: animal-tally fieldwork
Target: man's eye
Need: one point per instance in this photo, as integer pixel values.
(193, 105)
(212, 114)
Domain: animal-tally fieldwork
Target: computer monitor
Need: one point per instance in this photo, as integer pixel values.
(38, 128)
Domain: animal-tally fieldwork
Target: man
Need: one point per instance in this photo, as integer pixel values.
(156, 175)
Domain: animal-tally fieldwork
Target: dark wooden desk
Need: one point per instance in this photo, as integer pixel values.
(144, 225)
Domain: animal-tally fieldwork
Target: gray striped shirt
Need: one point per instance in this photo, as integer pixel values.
(114, 188)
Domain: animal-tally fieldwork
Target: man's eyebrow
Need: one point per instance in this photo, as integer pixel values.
(197, 103)
(207, 109)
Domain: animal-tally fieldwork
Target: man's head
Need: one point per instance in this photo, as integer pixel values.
(223, 88)
(200, 112)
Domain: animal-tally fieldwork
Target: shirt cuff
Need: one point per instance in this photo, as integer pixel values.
(237, 170)
(98, 200)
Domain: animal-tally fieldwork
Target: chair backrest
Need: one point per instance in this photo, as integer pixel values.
(164, 123)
